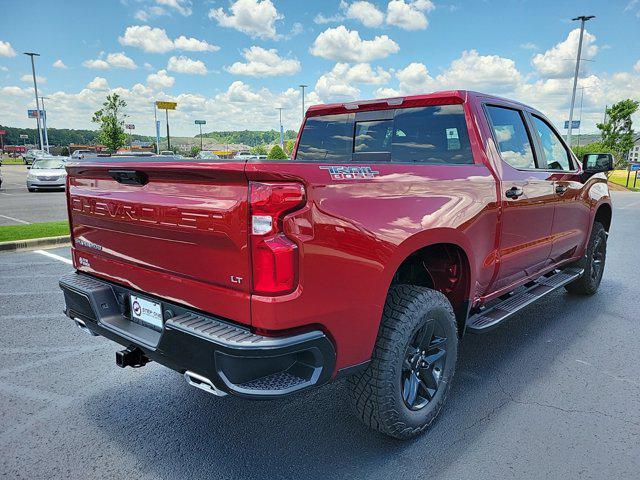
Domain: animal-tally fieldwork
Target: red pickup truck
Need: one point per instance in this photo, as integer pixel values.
(398, 225)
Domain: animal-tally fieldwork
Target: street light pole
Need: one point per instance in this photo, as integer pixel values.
(281, 130)
(35, 87)
(302, 86)
(44, 123)
(583, 19)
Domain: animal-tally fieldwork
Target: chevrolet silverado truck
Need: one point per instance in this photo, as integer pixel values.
(398, 226)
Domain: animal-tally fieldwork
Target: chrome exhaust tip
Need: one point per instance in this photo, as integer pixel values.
(203, 383)
(83, 326)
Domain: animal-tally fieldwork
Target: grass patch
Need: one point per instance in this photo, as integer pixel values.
(35, 230)
(619, 177)
(12, 161)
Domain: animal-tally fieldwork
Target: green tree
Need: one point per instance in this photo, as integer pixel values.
(195, 150)
(594, 147)
(111, 120)
(259, 150)
(288, 146)
(617, 132)
(276, 153)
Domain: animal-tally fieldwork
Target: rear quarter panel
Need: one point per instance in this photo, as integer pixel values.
(353, 235)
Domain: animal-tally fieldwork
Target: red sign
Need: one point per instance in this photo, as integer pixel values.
(3, 132)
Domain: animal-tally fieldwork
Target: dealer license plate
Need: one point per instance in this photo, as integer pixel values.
(146, 312)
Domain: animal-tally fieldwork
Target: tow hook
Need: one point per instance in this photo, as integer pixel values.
(131, 357)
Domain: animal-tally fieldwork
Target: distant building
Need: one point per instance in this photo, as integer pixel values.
(634, 153)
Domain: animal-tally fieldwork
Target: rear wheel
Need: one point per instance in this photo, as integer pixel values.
(404, 387)
(592, 262)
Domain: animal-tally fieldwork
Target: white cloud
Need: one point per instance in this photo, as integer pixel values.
(156, 40)
(59, 64)
(115, 60)
(183, 7)
(321, 19)
(149, 39)
(264, 63)
(6, 50)
(256, 18)
(480, 72)
(184, 64)
(3, 69)
(529, 46)
(345, 45)
(149, 13)
(28, 77)
(365, 12)
(160, 80)
(15, 91)
(98, 83)
(415, 78)
(120, 60)
(637, 66)
(96, 64)
(559, 61)
(409, 15)
(406, 14)
(340, 83)
(194, 45)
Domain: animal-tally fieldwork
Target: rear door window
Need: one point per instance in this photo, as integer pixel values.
(512, 137)
(327, 138)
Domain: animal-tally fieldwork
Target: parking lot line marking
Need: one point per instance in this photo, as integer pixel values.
(15, 219)
(7, 194)
(54, 256)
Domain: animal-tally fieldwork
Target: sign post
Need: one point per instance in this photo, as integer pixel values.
(201, 122)
(166, 106)
(2, 134)
(633, 167)
(130, 126)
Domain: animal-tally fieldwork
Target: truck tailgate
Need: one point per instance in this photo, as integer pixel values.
(173, 229)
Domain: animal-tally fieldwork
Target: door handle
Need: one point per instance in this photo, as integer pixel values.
(560, 189)
(514, 192)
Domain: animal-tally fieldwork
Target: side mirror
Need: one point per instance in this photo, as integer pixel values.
(28, 167)
(597, 162)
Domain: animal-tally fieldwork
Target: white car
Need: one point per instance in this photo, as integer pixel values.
(47, 172)
(79, 154)
(205, 155)
(31, 155)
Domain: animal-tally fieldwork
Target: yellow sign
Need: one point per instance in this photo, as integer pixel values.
(166, 105)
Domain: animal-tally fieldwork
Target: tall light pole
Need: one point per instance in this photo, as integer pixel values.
(35, 87)
(44, 123)
(302, 86)
(281, 130)
(583, 19)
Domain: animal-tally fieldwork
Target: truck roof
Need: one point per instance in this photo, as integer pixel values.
(444, 97)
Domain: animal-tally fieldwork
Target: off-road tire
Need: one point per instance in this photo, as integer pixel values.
(589, 282)
(376, 393)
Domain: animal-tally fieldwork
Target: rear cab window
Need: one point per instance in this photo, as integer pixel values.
(428, 135)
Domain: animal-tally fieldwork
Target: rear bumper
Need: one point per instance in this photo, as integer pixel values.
(231, 357)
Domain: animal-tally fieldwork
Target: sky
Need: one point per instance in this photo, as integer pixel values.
(233, 62)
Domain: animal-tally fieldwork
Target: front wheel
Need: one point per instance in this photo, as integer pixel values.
(406, 384)
(592, 262)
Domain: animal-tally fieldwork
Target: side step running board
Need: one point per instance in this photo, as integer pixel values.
(491, 317)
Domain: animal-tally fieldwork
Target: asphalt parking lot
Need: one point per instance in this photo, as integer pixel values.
(553, 394)
(19, 206)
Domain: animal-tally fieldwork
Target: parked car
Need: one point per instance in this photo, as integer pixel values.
(167, 153)
(31, 155)
(398, 226)
(244, 155)
(205, 155)
(79, 154)
(47, 172)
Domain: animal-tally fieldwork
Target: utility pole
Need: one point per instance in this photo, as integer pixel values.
(302, 86)
(281, 130)
(157, 124)
(35, 87)
(44, 123)
(166, 111)
(583, 19)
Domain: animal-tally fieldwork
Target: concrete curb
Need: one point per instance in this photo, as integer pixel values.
(34, 243)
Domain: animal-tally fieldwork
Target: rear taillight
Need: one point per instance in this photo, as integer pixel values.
(275, 257)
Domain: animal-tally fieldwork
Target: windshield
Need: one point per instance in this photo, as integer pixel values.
(48, 164)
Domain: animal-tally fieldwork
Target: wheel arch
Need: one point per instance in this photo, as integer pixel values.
(603, 215)
(442, 260)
